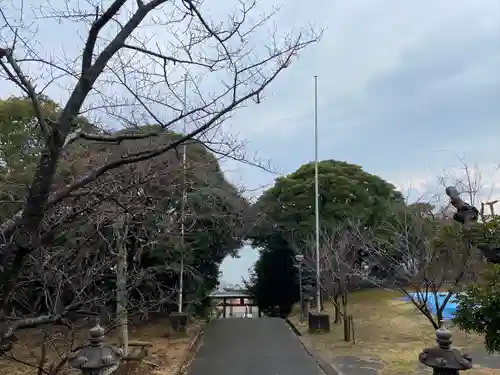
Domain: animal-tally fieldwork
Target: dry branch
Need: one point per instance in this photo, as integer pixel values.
(107, 62)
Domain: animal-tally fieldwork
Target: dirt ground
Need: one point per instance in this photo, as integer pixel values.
(389, 332)
(164, 357)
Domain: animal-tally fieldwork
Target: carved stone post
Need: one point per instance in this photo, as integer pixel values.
(443, 359)
(97, 358)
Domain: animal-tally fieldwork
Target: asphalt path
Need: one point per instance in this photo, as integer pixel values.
(262, 346)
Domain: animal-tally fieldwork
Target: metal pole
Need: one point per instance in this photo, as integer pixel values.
(316, 195)
(183, 204)
(301, 294)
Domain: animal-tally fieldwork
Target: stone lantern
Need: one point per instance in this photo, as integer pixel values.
(97, 358)
(443, 359)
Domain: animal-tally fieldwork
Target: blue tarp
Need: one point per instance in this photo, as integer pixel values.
(449, 310)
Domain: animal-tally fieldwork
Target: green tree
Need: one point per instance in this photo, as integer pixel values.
(21, 142)
(287, 211)
(150, 192)
(479, 308)
(345, 191)
(274, 282)
(486, 236)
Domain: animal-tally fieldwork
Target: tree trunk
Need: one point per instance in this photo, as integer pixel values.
(337, 319)
(121, 285)
(347, 322)
(347, 329)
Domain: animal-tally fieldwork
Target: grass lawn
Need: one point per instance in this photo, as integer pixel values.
(164, 357)
(387, 330)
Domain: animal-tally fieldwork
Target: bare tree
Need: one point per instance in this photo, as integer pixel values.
(126, 212)
(422, 256)
(340, 266)
(468, 181)
(117, 52)
(473, 183)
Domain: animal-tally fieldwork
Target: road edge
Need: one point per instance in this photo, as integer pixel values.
(325, 366)
(193, 347)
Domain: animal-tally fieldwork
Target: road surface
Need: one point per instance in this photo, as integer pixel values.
(264, 346)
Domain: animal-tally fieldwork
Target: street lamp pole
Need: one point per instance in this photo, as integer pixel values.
(299, 259)
(301, 295)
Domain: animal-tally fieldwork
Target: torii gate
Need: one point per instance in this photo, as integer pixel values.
(234, 298)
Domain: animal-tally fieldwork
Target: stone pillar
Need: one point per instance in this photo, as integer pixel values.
(318, 322)
(307, 305)
(96, 358)
(443, 359)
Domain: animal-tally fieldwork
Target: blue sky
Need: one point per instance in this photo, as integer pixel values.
(404, 88)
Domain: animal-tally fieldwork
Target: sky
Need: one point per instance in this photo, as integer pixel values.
(405, 89)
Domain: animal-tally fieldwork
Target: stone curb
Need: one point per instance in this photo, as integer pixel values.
(292, 326)
(326, 367)
(192, 349)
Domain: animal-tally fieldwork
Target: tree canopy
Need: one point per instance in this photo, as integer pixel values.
(287, 219)
(345, 191)
(478, 308)
(21, 142)
(78, 234)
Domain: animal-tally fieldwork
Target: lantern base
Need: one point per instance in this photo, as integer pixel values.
(319, 322)
(178, 323)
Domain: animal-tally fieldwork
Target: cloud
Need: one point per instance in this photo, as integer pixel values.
(401, 85)
(404, 88)
(479, 181)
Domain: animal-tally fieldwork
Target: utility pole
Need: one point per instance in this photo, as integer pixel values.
(316, 194)
(183, 203)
